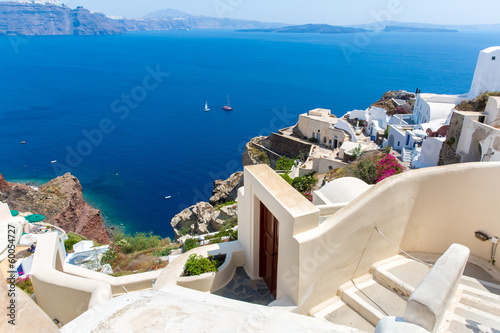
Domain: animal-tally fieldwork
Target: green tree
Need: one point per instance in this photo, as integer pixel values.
(366, 170)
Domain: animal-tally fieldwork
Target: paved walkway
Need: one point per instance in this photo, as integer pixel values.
(242, 288)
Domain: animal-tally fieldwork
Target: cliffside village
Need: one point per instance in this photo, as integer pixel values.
(422, 129)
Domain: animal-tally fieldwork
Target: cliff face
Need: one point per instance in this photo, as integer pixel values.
(51, 19)
(61, 201)
(227, 190)
(204, 217)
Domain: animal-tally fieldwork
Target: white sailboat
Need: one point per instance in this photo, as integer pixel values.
(206, 107)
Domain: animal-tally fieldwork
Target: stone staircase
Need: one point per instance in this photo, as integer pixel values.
(406, 155)
(363, 302)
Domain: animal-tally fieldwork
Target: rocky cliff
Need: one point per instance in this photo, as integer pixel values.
(203, 218)
(61, 201)
(206, 217)
(226, 190)
(23, 18)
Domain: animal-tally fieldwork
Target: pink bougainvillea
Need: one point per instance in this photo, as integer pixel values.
(388, 166)
(308, 196)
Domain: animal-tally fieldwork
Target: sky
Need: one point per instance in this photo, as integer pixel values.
(336, 12)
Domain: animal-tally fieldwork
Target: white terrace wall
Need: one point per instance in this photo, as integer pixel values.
(453, 203)
(62, 296)
(423, 210)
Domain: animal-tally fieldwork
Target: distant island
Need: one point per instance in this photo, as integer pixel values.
(397, 28)
(311, 28)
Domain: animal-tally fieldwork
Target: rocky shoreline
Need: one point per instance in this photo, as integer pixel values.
(61, 202)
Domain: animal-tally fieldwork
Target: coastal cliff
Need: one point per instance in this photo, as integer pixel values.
(54, 18)
(61, 201)
(29, 19)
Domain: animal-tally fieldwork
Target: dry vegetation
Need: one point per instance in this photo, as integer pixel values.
(478, 104)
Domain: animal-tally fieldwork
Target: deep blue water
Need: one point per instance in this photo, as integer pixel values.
(54, 88)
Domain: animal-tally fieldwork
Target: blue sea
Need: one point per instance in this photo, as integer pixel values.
(125, 114)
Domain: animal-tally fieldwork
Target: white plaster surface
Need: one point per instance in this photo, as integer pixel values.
(177, 309)
(429, 155)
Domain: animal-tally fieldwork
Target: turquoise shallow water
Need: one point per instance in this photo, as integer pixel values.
(153, 138)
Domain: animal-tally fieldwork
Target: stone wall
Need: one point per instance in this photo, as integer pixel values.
(285, 146)
(448, 153)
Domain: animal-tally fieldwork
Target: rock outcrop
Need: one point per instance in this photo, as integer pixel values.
(203, 218)
(61, 201)
(226, 190)
(254, 155)
(387, 103)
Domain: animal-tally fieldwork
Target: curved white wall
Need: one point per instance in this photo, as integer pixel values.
(424, 210)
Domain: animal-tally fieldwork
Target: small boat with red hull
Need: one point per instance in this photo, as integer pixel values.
(228, 106)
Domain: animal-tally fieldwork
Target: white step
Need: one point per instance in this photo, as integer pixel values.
(341, 314)
(373, 301)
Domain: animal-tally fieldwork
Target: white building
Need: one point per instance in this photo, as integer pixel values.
(428, 155)
(429, 107)
(487, 74)
(479, 139)
(375, 119)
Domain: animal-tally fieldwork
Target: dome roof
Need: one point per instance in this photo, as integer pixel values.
(343, 189)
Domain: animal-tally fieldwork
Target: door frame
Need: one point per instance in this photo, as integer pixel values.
(262, 216)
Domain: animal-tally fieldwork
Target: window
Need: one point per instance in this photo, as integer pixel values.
(399, 143)
(493, 58)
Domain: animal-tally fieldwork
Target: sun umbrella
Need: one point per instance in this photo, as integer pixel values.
(14, 212)
(34, 218)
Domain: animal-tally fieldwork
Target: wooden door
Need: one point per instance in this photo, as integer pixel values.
(268, 261)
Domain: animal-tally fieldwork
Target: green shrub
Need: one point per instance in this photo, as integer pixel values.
(185, 230)
(228, 203)
(356, 152)
(285, 164)
(196, 265)
(73, 238)
(109, 257)
(366, 170)
(304, 183)
(190, 244)
(139, 242)
(231, 223)
(287, 178)
(233, 236)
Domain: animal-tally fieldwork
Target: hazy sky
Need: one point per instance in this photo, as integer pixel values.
(339, 12)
